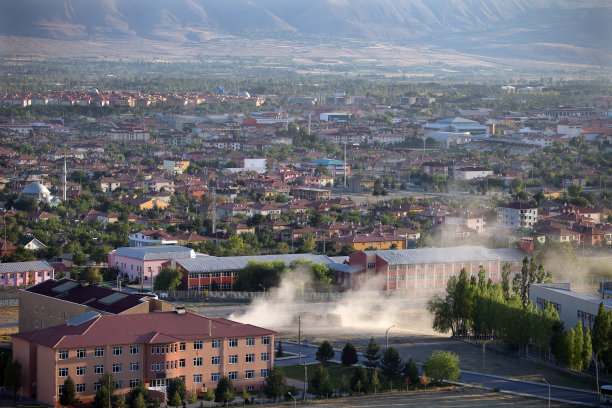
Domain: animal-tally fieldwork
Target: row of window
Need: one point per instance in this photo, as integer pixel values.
(22, 275)
(98, 369)
(198, 362)
(432, 277)
(82, 387)
(50, 312)
(99, 352)
(216, 274)
(233, 375)
(222, 286)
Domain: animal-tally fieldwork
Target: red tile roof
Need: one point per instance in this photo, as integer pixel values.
(158, 327)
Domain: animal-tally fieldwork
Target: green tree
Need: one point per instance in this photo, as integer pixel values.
(105, 396)
(411, 371)
(168, 279)
(12, 377)
(349, 355)
(175, 401)
(320, 383)
(210, 394)
(138, 394)
(276, 383)
(602, 335)
(68, 396)
(375, 381)
(307, 244)
(91, 275)
(79, 258)
(176, 385)
(442, 365)
(506, 280)
(325, 352)
(225, 391)
(391, 363)
(587, 350)
(359, 380)
(372, 355)
(139, 402)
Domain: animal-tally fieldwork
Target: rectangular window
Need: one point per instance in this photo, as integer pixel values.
(250, 341)
(264, 373)
(134, 383)
(181, 362)
(117, 351)
(60, 389)
(63, 355)
(250, 358)
(216, 344)
(197, 362)
(62, 372)
(98, 352)
(216, 360)
(265, 356)
(80, 388)
(249, 374)
(119, 384)
(233, 375)
(214, 377)
(134, 350)
(135, 366)
(197, 378)
(197, 345)
(182, 346)
(81, 370)
(152, 366)
(265, 340)
(233, 359)
(97, 386)
(82, 353)
(98, 369)
(233, 342)
(117, 368)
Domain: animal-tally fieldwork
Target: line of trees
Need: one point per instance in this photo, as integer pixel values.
(503, 312)
(267, 274)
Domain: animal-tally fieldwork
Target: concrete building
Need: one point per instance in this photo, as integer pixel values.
(471, 173)
(152, 348)
(571, 306)
(54, 302)
(517, 215)
(310, 194)
(458, 125)
(335, 117)
(424, 271)
(175, 166)
(144, 263)
(466, 219)
(149, 238)
(25, 273)
(336, 168)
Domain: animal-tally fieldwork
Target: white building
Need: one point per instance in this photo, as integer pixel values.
(517, 215)
(571, 306)
(149, 238)
(471, 173)
(334, 117)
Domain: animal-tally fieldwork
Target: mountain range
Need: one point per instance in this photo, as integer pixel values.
(570, 32)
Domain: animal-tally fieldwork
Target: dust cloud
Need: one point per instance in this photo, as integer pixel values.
(352, 312)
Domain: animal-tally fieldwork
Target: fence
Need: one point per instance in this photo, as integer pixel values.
(9, 302)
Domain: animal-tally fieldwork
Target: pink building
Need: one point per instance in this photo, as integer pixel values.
(25, 273)
(144, 263)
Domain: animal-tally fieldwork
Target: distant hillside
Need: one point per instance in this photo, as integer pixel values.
(548, 29)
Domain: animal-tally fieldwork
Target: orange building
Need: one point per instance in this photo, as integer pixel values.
(152, 348)
(361, 242)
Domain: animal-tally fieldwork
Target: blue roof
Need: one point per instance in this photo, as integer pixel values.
(327, 162)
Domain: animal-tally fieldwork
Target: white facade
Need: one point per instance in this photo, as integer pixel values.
(517, 215)
(572, 307)
(470, 173)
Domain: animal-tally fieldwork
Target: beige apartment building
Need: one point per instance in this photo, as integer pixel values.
(54, 302)
(152, 348)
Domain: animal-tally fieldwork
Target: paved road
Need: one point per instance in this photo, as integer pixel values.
(535, 389)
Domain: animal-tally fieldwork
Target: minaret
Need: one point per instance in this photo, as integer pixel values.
(64, 179)
(214, 210)
(345, 162)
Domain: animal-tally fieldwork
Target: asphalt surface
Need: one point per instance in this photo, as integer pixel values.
(534, 389)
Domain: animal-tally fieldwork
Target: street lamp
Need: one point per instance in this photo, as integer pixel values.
(294, 400)
(597, 369)
(387, 335)
(544, 379)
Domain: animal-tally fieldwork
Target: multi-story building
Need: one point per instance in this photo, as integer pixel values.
(144, 263)
(152, 348)
(25, 273)
(310, 194)
(54, 302)
(175, 166)
(517, 215)
(423, 271)
(363, 242)
(466, 219)
(149, 238)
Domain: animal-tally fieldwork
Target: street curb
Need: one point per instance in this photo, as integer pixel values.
(529, 382)
(521, 394)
